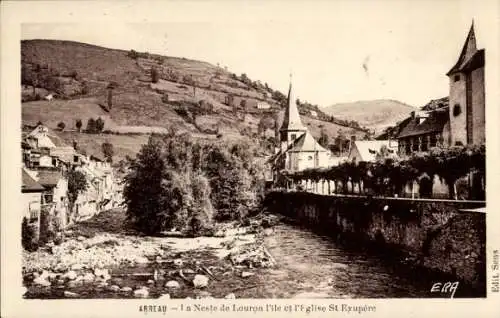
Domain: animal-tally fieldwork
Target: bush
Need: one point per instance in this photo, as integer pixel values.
(28, 238)
(61, 125)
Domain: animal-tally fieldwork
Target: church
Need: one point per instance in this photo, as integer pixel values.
(298, 150)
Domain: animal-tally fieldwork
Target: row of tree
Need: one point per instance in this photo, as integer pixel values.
(389, 175)
(177, 182)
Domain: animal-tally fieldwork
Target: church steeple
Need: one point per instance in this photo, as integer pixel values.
(291, 120)
(468, 50)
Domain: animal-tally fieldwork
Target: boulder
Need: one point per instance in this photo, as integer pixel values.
(88, 277)
(41, 281)
(81, 238)
(188, 271)
(246, 274)
(178, 262)
(98, 272)
(69, 294)
(200, 281)
(114, 288)
(141, 293)
(164, 297)
(230, 296)
(151, 282)
(172, 284)
(77, 267)
(126, 289)
(141, 260)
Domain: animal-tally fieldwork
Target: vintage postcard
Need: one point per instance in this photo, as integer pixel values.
(278, 158)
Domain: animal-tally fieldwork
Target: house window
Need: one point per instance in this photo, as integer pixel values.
(433, 141)
(293, 137)
(48, 198)
(456, 78)
(75, 158)
(457, 110)
(54, 162)
(310, 158)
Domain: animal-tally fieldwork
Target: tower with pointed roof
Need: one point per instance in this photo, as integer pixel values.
(298, 148)
(292, 127)
(466, 99)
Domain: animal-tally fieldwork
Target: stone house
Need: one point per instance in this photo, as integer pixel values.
(368, 150)
(31, 197)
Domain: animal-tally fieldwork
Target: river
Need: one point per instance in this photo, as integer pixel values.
(309, 265)
(314, 265)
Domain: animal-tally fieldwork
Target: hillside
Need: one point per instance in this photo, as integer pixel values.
(141, 93)
(373, 114)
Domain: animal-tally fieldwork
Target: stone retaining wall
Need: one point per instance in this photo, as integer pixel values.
(436, 234)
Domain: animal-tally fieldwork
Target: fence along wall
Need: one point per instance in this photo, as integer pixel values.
(435, 233)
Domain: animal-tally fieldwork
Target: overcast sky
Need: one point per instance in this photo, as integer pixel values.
(337, 51)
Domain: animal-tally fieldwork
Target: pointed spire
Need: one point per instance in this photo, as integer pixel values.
(468, 50)
(292, 121)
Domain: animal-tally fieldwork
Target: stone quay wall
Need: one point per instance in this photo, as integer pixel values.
(436, 234)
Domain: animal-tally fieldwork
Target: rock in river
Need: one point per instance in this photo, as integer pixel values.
(200, 281)
(141, 293)
(70, 294)
(126, 289)
(163, 297)
(230, 296)
(172, 284)
(114, 288)
(246, 274)
(70, 275)
(41, 281)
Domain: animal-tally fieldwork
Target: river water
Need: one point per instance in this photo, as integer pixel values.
(318, 266)
(309, 265)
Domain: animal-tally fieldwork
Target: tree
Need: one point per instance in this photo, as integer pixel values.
(91, 126)
(77, 183)
(243, 103)
(110, 98)
(78, 124)
(99, 125)
(323, 139)
(155, 76)
(61, 125)
(229, 100)
(108, 151)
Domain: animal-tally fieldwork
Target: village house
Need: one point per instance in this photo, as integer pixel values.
(55, 194)
(370, 150)
(31, 199)
(458, 119)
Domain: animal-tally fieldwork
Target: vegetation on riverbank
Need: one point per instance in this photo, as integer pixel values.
(176, 182)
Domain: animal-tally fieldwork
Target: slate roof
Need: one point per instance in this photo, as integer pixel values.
(306, 142)
(49, 178)
(470, 58)
(291, 120)
(30, 184)
(433, 124)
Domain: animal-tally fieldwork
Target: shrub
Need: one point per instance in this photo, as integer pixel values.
(61, 125)
(78, 124)
(28, 238)
(99, 125)
(108, 151)
(155, 76)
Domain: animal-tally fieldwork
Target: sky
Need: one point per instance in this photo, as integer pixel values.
(337, 51)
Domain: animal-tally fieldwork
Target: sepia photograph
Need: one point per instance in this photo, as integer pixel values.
(325, 154)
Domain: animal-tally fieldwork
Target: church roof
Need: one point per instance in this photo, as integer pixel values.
(306, 142)
(291, 120)
(470, 58)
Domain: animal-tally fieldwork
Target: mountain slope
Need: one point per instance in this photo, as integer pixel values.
(374, 114)
(148, 93)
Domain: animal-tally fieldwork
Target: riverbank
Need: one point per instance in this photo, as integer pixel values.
(101, 258)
